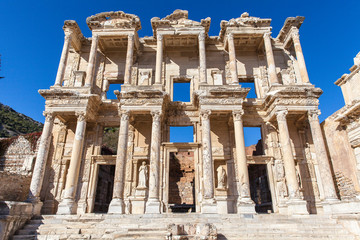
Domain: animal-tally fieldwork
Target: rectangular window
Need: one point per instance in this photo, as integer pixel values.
(181, 90)
(252, 136)
(182, 134)
(248, 82)
(112, 87)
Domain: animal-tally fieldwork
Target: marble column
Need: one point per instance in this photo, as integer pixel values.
(299, 55)
(153, 203)
(63, 60)
(92, 60)
(288, 157)
(68, 204)
(40, 164)
(321, 156)
(129, 59)
(270, 59)
(159, 59)
(202, 58)
(241, 161)
(232, 59)
(117, 202)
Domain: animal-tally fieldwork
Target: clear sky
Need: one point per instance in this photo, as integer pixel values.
(31, 39)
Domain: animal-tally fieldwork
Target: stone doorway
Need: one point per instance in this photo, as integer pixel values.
(259, 188)
(181, 196)
(104, 188)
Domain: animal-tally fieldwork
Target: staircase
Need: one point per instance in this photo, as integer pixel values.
(229, 227)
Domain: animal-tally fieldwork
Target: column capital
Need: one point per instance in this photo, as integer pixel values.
(267, 35)
(67, 35)
(230, 36)
(49, 116)
(131, 37)
(159, 37)
(81, 116)
(313, 115)
(237, 114)
(124, 115)
(295, 33)
(205, 114)
(156, 115)
(281, 115)
(201, 36)
(95, 37)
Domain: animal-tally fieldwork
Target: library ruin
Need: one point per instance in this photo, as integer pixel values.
(297, 168)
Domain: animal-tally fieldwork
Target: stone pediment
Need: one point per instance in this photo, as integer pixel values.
(179, 19)
(244, 21)
(289, 23)
(110, 20)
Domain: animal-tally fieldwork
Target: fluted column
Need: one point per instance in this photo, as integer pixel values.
(153, 203)
(208, 170)
(288, 157)
(270, 59)
(63, 59)
(92, 60)
(159, 59)
(321, 156)
(299, 55)
(68, 204)
(40, 164)
(202, 58)
(232, 58)
(241, 159)
(117, 202)
(129, 59)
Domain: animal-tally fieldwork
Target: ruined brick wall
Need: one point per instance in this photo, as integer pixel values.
(16, 166)
(181, 178)
(14, 187)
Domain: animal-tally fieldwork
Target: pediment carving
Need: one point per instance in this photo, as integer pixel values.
(117, 19)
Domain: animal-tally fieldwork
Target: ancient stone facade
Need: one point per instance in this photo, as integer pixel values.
(294, 155)
(342, 130)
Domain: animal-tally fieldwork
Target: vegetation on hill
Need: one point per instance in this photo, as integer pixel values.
(13, 123)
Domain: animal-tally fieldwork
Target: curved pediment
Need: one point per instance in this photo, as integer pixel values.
(244, 21)
(178, 19)
(117, 19)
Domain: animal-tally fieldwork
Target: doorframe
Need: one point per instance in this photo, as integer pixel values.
(180, 147)
(269, 161)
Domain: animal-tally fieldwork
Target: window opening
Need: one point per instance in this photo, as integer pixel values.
(110, 141)
(253, 143)
(181, 90)
(112, 87)
(182, 134)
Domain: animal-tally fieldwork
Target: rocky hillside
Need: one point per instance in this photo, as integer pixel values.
(13, 123)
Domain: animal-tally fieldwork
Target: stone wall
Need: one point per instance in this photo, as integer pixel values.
(14, 187)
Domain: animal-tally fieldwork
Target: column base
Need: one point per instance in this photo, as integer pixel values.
(67, 206)
(116, 206)
(36, 211)
(297, 207)
(209, 206)
(246, 206)
(81, 207)
(152, 206)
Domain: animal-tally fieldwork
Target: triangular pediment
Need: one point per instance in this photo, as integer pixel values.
(118, 19)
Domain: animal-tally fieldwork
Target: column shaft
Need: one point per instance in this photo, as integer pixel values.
(63, 60)
(299, 55)
(241, 159)
(232, 58)
(208, 170)
(202, 58)
(117, 203)
(153, 203)
(289, 163)
(41, 158)
(92, 59)
(68, 205)
(321, 156)
(129, 59)
(270, 59)
(155, 156)
(159, 59)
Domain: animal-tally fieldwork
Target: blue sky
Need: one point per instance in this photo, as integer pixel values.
(31, 39)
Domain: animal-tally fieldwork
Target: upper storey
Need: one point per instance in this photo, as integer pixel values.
(180, 51)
